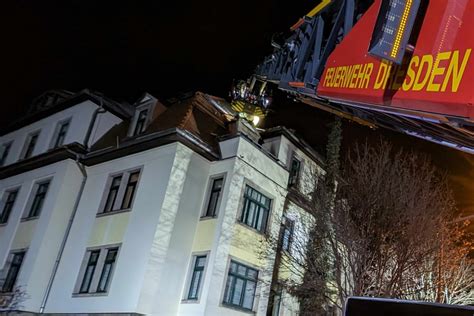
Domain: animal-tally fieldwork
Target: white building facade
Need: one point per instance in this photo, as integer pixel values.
(150, 209)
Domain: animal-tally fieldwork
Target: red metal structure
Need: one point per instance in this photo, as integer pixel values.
(406, 65)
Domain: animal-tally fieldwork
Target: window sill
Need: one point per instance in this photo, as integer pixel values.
(238, 308)
(205, 218)
(263, 233)
(114, 212)
(27, 219)
(90, 294)
(189, 301)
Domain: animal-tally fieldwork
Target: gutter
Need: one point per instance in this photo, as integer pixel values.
(66, 234)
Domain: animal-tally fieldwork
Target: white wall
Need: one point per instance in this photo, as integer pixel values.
(80, 114)
(41, 236)
(134, 257)
(265, 175)
(176, 231)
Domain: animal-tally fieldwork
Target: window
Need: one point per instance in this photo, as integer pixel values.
(9, 200)
(140, 124)
(214, 195)
(294, 172)
(130, 190)
(256, 209)
(240, 286)
(30, 145)
(60, 133)
(13, 271)
(287, 233)
(112, 195)
(97, 270)
(38, 199)
(277, 300)
(89, 273)
(196, 278)
(5, 151)
(107, 270)
(121, 191)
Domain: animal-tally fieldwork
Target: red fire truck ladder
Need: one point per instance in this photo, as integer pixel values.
(402, 65)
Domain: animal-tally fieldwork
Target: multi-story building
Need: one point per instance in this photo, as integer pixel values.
(146, 209)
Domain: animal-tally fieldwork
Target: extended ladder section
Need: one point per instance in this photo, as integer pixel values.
(404, 65)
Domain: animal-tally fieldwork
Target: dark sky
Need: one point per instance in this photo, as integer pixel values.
(126, 48)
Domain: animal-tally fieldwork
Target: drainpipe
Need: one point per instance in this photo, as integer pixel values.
(81, 167)
(66, 234)
(97, 111)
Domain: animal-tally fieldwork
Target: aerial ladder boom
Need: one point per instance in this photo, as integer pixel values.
(402, 65)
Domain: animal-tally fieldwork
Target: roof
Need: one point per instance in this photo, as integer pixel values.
(201, 115)
(199, 121)
(55, 101)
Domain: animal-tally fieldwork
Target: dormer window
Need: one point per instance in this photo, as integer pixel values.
(141, 122)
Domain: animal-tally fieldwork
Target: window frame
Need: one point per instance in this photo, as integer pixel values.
(94, 267)
(57, 131)
(4, 218)
(6, 147)
(190, 278)
(108, 276)
(138, 119)
(277, 295)
(242, 206)
(13, 253)
(26, 145)
(121, 191)
(287, 224)
(210, 185)
(97, 272)
(31, 199)
(294, 180)
(229, 273)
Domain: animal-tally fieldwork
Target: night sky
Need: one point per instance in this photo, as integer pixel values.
(123, 49)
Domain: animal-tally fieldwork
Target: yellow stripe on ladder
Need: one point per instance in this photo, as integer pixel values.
(318, 8)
